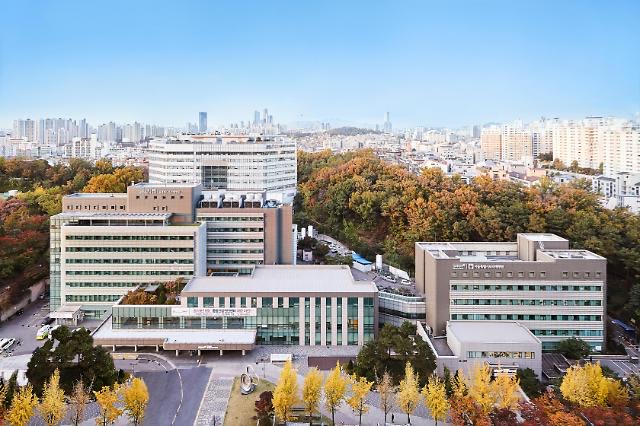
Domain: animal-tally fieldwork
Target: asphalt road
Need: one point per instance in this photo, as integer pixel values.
(165, 398)
(25, 327)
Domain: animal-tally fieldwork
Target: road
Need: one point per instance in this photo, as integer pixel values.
(25, 327)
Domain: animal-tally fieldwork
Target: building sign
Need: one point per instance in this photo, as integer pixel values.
(213, 312)
(477, 266)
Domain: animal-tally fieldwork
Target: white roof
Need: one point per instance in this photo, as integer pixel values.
(286, 279)
(491, 332)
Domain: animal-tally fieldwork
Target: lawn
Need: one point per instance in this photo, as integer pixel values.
(241, 408)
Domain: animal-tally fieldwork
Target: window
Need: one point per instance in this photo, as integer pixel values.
(576, 275)
(565, 274)
(498, 274)
(192, 302)
(487, 274)
(543, 274)
(454, 274)
(221, 302)
(509, 274)
(598, 274)
(532, 274)
(587, 274)
(207, 302)
(520, 274)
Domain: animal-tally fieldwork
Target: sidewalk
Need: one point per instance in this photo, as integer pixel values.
(344, 415)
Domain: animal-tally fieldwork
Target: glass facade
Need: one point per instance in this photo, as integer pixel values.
(277, 322)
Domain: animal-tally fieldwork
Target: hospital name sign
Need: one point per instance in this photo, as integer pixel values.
(214, 312)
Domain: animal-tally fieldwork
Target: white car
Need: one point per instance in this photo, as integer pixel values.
(5, 344)
(405, 281)
(389, 278)
(43, 333)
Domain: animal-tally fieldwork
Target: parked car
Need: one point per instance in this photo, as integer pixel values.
(405, 281)
(5, 344)
(19, 312)
(47, 320)
(389, 278)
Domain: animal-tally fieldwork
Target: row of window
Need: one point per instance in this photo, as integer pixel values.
(130, 237)
(234, 240)
(231, 218)
(273, 302)
(233, 262)
(501, 354)
(503, 287)
(101, 284)
(252, 229)
(79, 207)
(180, 273)
(234, 251)
(131, 261)
(530, 274)
(525, 317)
(163, 197)
(581, 333)
(523, 302)
(129, 249)
(92, 297)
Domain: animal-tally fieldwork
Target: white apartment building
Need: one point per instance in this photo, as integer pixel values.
(620, 149)
(233, 162)
(516, 143)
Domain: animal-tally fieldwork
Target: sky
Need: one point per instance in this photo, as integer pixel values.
(432, 63)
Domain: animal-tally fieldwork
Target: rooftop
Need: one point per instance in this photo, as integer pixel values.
(490, 332)
(286, 279)
(571, 254)
(114, 216)
(165, 186)
(97, 195)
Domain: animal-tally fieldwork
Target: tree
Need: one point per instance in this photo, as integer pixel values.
(335, 388)
(360, 388)
(408, 394)
(135, 397)
(529, 382)
(108, 411)
(286, 393)
(52, 407)
(386, 391)
(11, 388)
(312, 391)
(78, 401)
(459, 386)
(573, 348)
(447, 381)
(264, 407)
(585, 385)
(4, 389)
(480, 389)
(22, 407)
(505, 392)
(435, 398)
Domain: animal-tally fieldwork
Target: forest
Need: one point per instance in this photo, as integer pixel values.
(376, 207)
(24, 219)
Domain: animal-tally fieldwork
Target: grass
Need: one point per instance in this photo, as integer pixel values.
(241, 408)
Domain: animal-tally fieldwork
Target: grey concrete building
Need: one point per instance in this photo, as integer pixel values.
(538, 281)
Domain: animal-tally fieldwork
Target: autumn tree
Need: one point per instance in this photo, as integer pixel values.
(360, 388)
(480, 389)
(408, 394)
(435, 398)
(459, 385)
(335, 389)
(585, 385)
(135, 397)
(22, 407)
(504, 391)
(264, 407)
(285, 394)
(52, 407)
(107, 400)
(386, 391)
(78, 401)
(312, 392)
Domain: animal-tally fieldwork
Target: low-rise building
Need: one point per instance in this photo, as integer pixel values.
(274, 305)
(505, 345)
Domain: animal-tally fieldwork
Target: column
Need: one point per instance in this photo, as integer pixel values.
(360, 321)
(312, 321)
(323, 321)
(334, 321)
(301, 328)
(345, 318)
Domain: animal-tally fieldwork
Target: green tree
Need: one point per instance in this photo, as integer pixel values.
(573, 348)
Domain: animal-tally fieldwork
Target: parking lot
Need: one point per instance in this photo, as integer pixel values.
(24, 328)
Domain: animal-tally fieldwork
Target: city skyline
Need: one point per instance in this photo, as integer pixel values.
(333, 63)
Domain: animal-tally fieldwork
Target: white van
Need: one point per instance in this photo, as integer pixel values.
(43, 333)
(5, 344)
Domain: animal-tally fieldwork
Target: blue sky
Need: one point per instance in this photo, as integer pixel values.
(444, 63)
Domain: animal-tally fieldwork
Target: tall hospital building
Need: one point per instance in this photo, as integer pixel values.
(104, 245)
(231, 162)
(538, 281)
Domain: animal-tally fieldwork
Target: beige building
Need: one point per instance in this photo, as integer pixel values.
(491, 143)
(538, 281)
(103, 245)
(516, 143)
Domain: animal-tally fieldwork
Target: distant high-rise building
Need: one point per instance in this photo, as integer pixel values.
(476, 131)
(516, 142)
(265, 118)
(256, 118)
(387, 123)
(202, 122)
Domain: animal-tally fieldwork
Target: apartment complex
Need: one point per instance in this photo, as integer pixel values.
(516, 143)
(491, 143)
(232, 162)
(104, 245)
(274, 305)
(538, 281)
